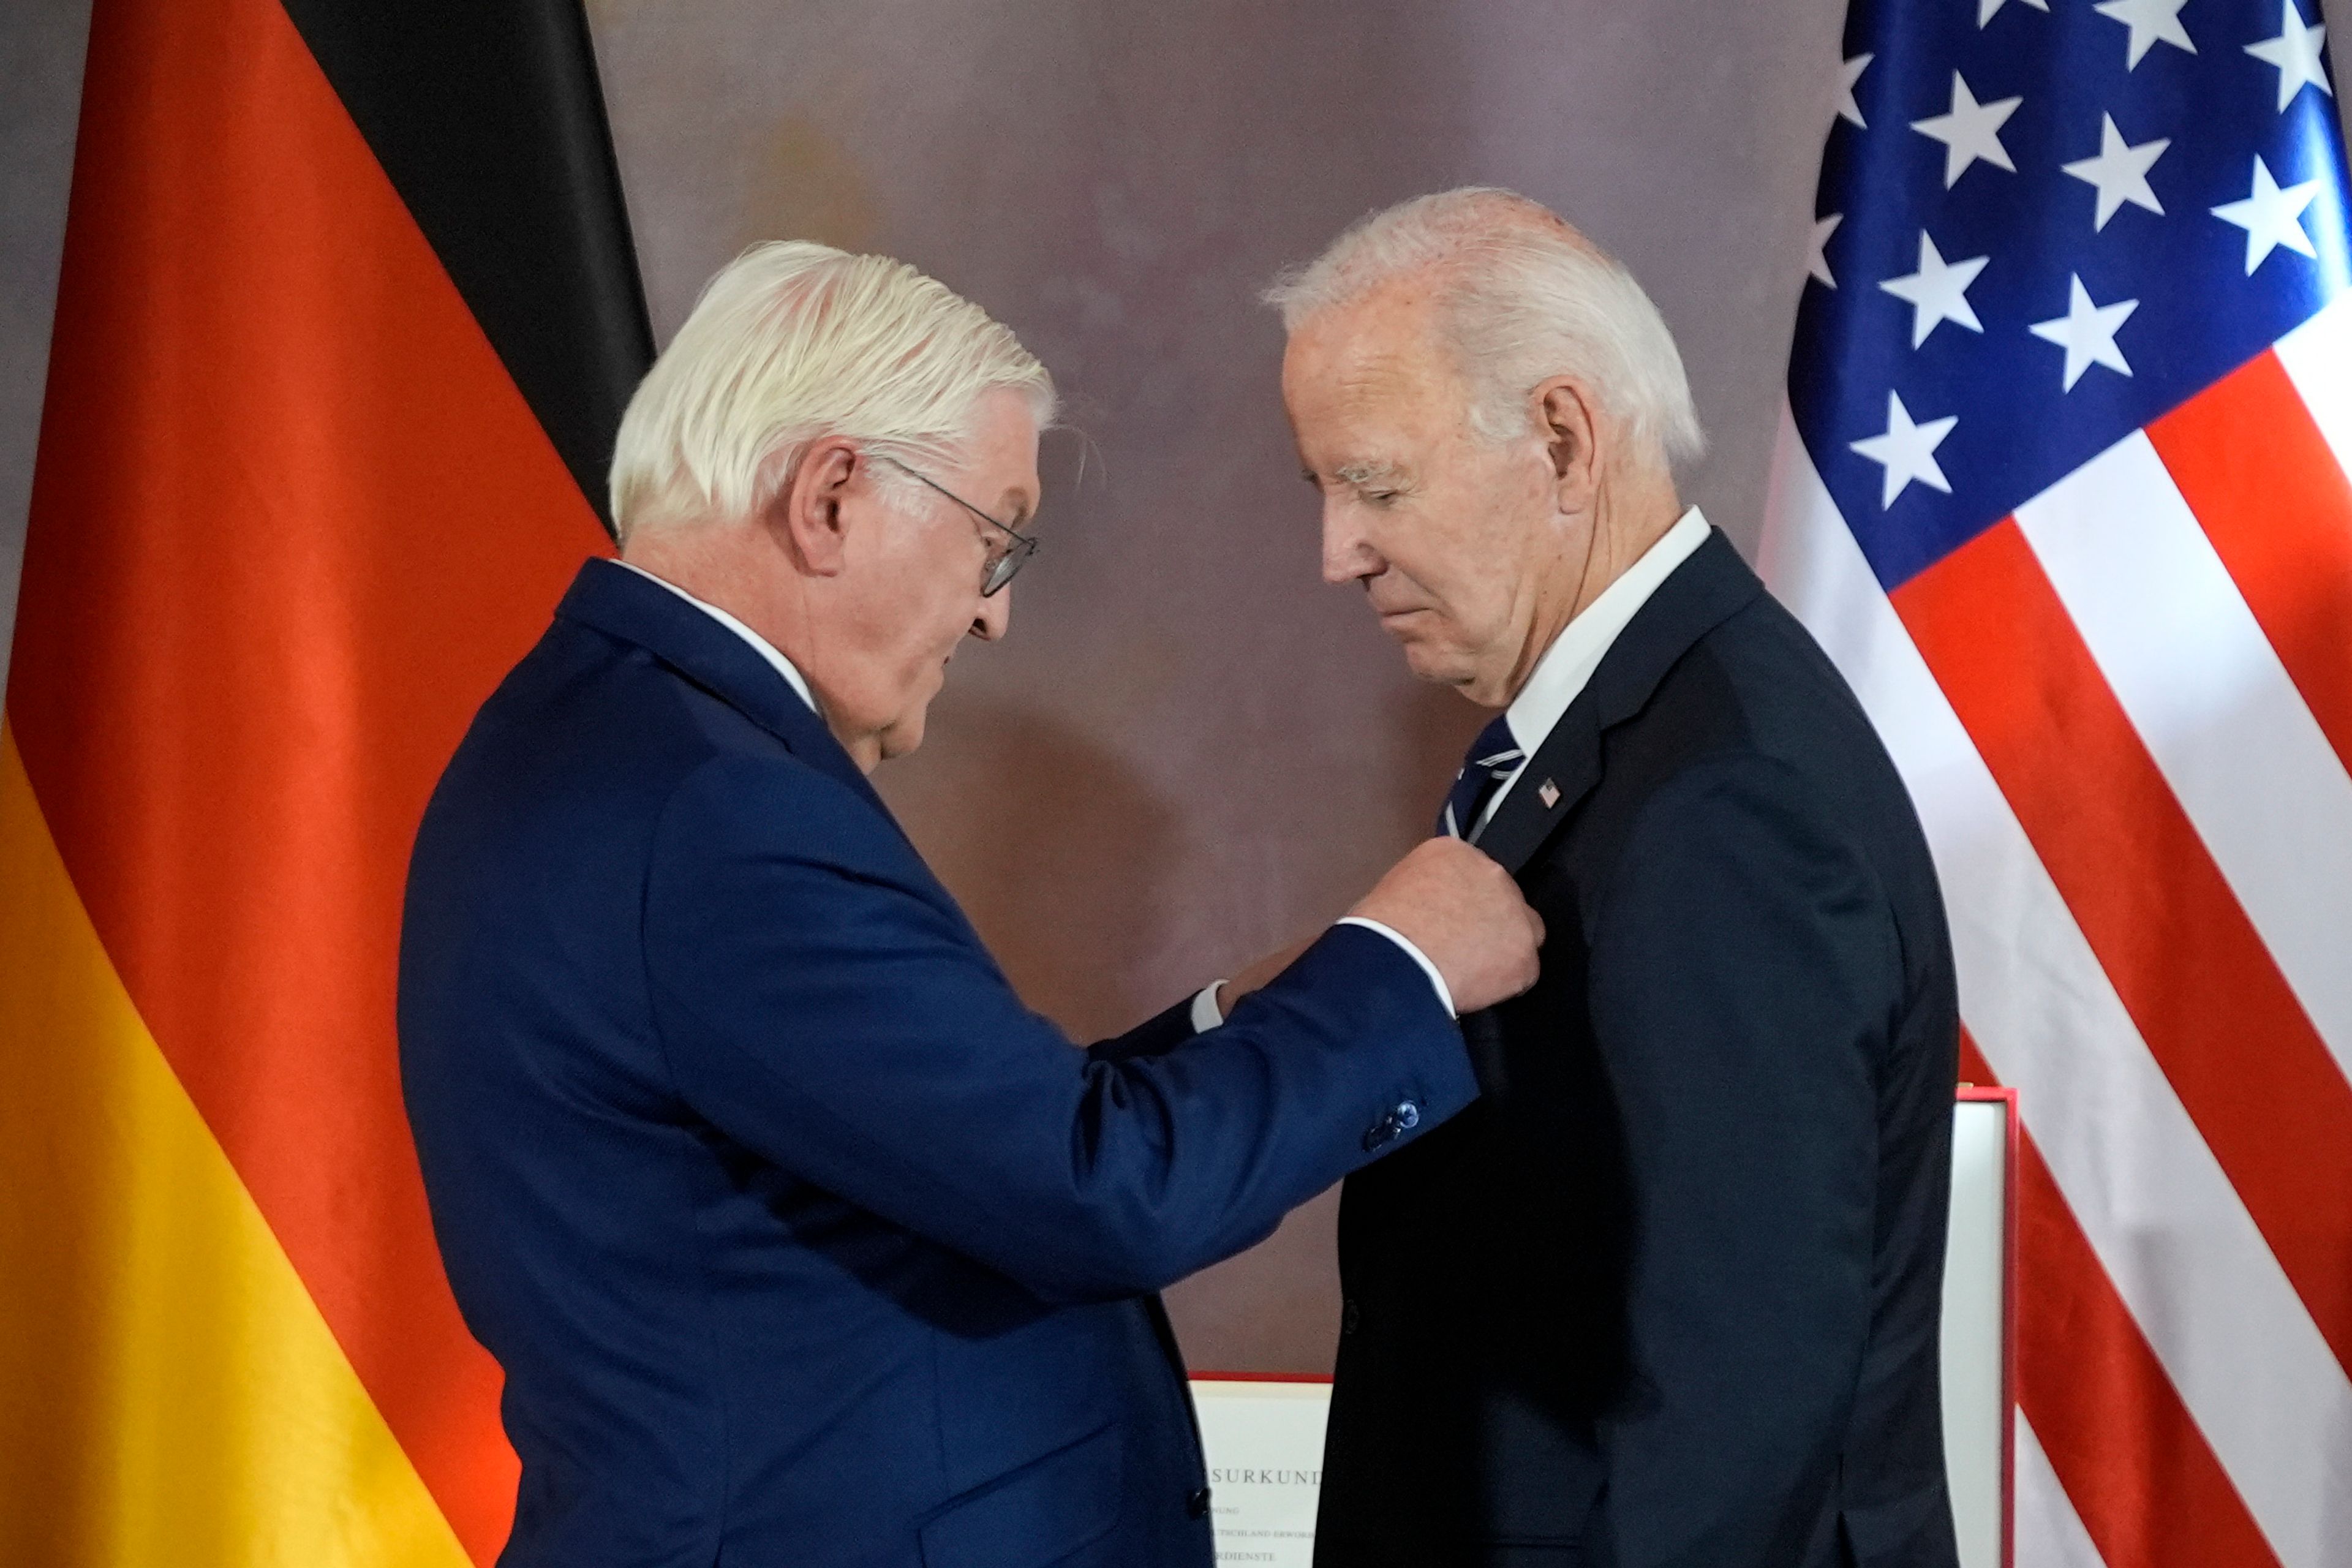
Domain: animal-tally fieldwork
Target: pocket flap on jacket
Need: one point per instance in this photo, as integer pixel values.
(1042, 1511)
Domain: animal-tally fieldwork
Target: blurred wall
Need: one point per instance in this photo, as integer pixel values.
(40, 91)
(1190, 749)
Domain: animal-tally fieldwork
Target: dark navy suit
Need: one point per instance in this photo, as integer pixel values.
(1667, 1296)
(801, 1241)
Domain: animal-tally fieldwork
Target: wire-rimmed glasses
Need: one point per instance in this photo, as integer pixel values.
(1005, 561)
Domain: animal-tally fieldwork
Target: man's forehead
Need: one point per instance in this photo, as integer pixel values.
(1368, 352)
(1366, 406)
(1003, 465)
(1378, 374)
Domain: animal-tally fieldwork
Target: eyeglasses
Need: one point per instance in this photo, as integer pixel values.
(1005, 562)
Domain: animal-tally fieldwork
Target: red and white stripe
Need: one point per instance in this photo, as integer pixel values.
(2125, 715)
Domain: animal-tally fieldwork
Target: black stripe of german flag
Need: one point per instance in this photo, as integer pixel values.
(488, 117)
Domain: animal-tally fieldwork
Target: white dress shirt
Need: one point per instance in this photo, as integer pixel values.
(1561, 674)
(1207, 1014)
(759, 645)
(1204, 1005)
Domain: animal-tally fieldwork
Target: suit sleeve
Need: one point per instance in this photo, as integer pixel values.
(1744, 973)
(822, 1003)
(1156, 1035)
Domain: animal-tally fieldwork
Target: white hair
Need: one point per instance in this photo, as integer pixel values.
(1524, 298)
(791, 341)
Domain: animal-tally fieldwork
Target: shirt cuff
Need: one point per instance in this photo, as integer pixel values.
(1445, 995)
(1205, 1015)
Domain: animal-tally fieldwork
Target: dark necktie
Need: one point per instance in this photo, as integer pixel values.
(1491, 758)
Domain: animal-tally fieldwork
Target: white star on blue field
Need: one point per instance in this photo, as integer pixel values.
(2039, 229)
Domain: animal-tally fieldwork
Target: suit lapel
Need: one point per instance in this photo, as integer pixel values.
(1561, 773)
(1699, 595)
(621, 604)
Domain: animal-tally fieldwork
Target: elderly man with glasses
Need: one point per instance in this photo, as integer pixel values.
(799, 1239)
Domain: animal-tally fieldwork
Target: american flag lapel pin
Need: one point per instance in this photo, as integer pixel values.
(1547, 793)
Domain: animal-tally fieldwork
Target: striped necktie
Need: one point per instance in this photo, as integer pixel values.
(1491, 757)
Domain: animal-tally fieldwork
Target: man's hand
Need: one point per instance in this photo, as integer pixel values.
(1460, 908)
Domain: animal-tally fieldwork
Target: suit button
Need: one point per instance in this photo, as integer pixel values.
(1196, 1503)
(1379, 1133)
(1408, 1116)
(1349, 1316)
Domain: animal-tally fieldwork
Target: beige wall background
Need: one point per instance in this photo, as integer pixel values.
(1190, 749)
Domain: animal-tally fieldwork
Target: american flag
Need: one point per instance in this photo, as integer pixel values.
(2062, 489)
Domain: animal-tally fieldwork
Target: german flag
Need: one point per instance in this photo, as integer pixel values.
(348, 316)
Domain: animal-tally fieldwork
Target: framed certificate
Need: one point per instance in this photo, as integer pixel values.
(1263, 1435)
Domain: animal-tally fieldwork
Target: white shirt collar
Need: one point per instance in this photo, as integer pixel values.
(1561, 675)
(759, 645)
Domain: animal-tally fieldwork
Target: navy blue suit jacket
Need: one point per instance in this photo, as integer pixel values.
(1668, 1296)
(800, 1239)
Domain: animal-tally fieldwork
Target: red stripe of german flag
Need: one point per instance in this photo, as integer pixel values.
(292, 518)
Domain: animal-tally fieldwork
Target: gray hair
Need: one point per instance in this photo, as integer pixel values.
(791, 341)
(1524, 297)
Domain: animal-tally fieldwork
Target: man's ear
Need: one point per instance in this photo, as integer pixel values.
(1571, 426)
(807, 517)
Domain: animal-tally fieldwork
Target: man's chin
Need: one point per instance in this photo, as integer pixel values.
(1437, 665)
(904, 736)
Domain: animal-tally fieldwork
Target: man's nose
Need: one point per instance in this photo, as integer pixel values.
(1347, 555)
(996, 616)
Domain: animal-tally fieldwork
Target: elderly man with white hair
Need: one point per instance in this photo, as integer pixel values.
(800, 1239)
(1668, 1293)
